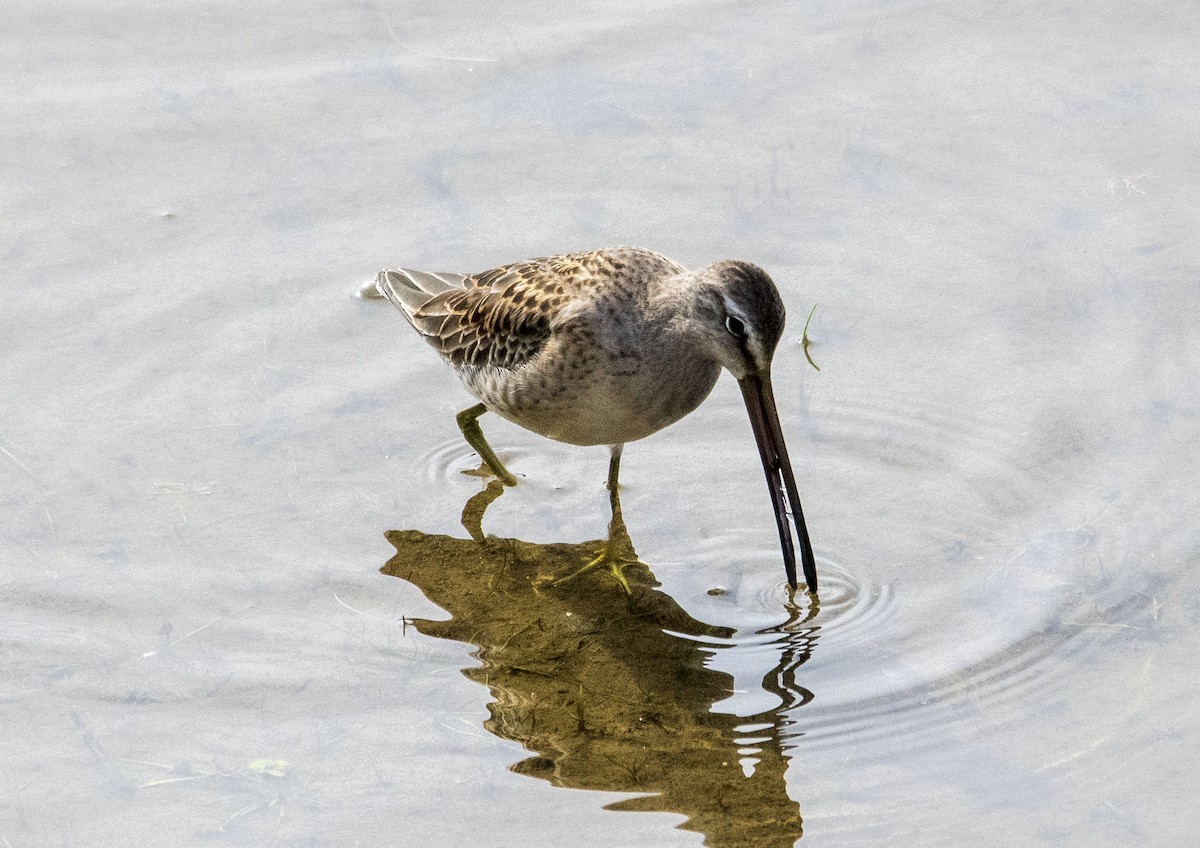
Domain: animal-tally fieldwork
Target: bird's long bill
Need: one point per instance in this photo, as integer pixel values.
(760, 403)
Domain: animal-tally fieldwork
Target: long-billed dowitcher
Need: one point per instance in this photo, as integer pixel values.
(605, 348)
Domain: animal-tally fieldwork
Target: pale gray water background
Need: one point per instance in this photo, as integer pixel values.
(204, 436)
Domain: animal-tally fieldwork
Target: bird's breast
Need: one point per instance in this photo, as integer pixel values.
(583, 391)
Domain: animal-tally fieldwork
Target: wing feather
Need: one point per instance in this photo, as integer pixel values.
(503, 317)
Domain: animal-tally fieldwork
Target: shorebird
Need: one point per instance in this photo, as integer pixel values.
(605, 348)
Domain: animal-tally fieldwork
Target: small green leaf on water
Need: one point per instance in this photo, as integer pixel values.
(271, 768)
(805, 341)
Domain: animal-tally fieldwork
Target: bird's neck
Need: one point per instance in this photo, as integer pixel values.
(679, 302)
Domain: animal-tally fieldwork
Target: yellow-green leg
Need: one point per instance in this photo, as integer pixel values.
(617, 552)
(473, 510)
(468, 422)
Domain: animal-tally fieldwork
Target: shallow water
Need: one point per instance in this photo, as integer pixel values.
(205, 437)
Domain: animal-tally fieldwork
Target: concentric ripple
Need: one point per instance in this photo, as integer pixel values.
(454, 461)
(958, 566)
(961, 571)
(853, 607)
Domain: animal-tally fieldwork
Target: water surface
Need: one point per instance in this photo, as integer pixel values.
(204, 437)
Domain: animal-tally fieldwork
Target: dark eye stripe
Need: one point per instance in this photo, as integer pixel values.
(735, 326)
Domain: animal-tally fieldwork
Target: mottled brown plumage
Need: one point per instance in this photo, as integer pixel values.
(502, 317)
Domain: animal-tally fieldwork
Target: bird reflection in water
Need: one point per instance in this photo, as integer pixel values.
(609, 688)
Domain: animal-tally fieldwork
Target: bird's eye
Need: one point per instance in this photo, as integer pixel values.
(735, 326)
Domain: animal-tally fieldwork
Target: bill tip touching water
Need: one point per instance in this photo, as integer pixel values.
(605, 348)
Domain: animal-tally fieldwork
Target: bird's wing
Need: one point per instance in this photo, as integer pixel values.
(503, 317)
(500, 317)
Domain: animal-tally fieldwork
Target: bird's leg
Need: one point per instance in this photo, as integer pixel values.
(468, 422)
(473, 510)
(619, 546)
(617, 552)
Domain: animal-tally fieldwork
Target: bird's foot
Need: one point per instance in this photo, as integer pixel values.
(482, 471)
(485, 471)
(616, 562)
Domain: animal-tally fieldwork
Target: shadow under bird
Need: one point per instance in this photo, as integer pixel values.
(605, 348)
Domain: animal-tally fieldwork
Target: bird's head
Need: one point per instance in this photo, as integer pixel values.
(738, 316)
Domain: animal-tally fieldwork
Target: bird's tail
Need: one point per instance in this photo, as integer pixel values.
(409, 290)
